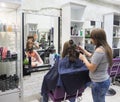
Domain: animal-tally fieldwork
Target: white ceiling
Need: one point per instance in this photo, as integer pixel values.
(114, 2)
(9, 5)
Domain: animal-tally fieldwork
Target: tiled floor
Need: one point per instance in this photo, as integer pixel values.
(86, 97)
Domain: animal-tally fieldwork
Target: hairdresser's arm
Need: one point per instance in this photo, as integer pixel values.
(90, 66)
(94, 63)
(39, 58)
(85, 52)
(36, 45)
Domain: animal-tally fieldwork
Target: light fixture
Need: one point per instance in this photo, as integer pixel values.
(2, 4)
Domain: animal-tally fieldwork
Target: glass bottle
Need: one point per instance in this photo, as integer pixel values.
(81, 32)
(75, 30)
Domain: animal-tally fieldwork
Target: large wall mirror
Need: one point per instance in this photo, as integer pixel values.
(40, 34)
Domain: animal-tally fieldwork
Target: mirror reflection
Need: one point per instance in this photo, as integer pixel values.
(39, 44)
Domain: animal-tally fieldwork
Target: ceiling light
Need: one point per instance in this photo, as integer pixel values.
(2, 4)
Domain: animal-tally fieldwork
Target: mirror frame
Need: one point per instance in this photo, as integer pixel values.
(44, 66)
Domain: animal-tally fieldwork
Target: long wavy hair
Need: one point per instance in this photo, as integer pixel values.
(70, 50)
(28, 48)
(99, 37)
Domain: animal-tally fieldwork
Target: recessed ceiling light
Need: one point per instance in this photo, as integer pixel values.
(2, 4)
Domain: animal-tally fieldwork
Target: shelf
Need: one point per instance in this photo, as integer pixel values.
(116, 37)
(116, 26)
(9, 91)
(77, 21)
(7, 61)
(38, 68)
(10, 51)
(13, 32)
(88, 38)
(74, 36)
(32, 30)
(116, 48)
(75, 18)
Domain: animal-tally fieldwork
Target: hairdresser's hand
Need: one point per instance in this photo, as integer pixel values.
(34, 64)
(80, 49)
(82, 57)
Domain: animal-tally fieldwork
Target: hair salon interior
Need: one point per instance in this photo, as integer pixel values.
(46, 25)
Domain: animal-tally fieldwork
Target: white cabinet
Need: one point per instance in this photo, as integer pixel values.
(10, 52)
(72, 23)
(112, 28)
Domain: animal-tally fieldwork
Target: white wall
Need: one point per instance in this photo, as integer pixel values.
(31, 4)
(8, 17)
(44, 22)
(95, 11)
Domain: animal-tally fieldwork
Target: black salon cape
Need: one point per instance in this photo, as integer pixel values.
(73, 76)
(50, 79)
